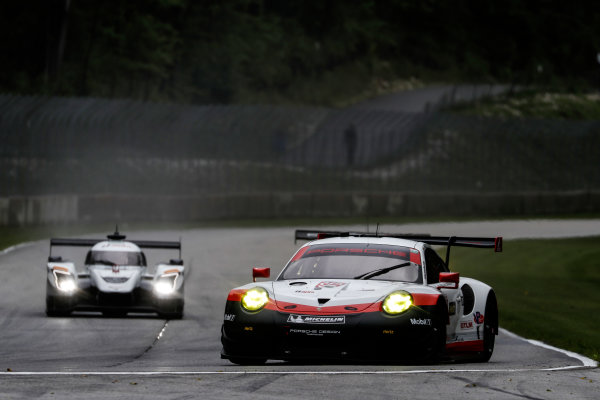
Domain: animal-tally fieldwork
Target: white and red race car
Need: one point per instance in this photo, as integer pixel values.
(115, 279)
(363, 296)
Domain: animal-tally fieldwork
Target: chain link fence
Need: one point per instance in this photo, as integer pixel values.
(99, 146)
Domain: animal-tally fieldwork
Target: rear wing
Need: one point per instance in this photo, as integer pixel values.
(146, 244)
(460, 241)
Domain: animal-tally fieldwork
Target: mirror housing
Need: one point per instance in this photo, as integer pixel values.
(449, 280)
(260, 273)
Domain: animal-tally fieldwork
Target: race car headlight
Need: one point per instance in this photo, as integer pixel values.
(64, 281)
(397, 303)
(166, 283)
(255, 299)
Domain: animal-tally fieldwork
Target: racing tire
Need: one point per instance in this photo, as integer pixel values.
(436, 351)
(54, 309)
(171, 310)
(248, 361)
(114, 313)
(174, 315)
(490, 329)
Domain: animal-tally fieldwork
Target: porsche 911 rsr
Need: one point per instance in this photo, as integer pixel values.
(363, 296)
(115, 279)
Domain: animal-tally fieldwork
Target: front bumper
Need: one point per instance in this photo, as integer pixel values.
(88, 298)
(272, 334)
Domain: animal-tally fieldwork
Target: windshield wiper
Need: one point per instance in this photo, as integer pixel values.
(381, 271)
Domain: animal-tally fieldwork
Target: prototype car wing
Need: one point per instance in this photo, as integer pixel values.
(147, 244)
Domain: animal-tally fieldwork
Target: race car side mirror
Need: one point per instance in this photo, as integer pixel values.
(449, 280)
(260, 273)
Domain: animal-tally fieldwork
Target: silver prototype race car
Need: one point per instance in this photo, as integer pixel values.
(115, 279)
(363, 296)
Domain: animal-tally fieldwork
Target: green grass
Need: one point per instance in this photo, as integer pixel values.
(536, 104)
(547, 289)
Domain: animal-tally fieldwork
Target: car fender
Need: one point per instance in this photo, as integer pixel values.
(475, 295)
(60, 267)
(166, 269)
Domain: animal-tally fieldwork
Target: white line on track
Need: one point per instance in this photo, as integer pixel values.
(15, 247)
(586, 364)
(173, 373)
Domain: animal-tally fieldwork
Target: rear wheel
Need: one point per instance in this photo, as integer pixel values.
(490, 328)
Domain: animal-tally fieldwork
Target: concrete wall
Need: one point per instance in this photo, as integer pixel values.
(35, 210)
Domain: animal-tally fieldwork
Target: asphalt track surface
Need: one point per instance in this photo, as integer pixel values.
(92, 357)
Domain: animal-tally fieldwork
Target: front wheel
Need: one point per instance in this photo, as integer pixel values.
(54, 308)
(248, 361)
(435, 352)
(171, 309)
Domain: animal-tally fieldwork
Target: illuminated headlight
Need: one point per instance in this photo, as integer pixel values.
(166, 283)
(397, 303)
(255, 299)
(64, 281)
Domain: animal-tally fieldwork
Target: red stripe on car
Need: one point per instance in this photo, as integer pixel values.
(465, 347)
(300, 253)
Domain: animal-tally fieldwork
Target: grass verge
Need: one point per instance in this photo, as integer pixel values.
(547, 289)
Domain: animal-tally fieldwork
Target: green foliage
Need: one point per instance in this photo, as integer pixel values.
(547, 289)
(535, 104)
(204, 51)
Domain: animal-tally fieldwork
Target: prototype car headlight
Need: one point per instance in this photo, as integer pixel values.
(64, 281)
(397, 303)
(255, 299)
(166, 283)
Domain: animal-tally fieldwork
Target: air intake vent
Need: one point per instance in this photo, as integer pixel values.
(115, 280)
(468, 299)
(323, 301)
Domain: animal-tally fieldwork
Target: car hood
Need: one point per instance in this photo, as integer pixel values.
(335, 295)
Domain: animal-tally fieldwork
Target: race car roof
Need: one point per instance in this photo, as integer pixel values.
(366, 240)
(116, 246)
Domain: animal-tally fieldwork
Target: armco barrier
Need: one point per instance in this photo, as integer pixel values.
(35, 210)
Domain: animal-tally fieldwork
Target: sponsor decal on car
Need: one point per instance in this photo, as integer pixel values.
(328, 285)
(420, 321)
(229, 317)
(384, 251)
(478, 318)
(466, 325)
(316, 319)
(315, 332)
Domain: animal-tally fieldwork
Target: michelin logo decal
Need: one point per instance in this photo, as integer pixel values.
(316, 319)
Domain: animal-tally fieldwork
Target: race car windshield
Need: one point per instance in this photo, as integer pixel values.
(115, 258)
(356, 261)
